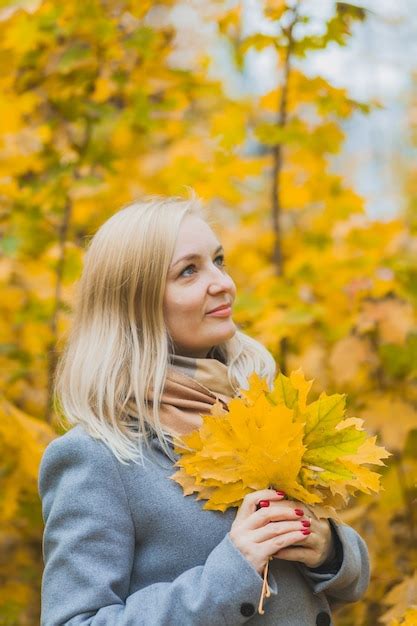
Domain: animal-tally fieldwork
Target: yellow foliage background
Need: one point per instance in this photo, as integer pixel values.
(96, 109)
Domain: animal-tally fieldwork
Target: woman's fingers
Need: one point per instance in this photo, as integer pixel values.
(312, 552)
(276, 512)
(251, 500)
(294, 553)
(280, 542)
(266, 525)
(273, 529)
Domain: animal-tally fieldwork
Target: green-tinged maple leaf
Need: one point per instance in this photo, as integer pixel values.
(274, 438)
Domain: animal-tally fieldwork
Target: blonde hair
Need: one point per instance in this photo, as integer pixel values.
(118, 345)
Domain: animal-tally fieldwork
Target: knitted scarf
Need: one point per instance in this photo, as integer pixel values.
(192, 387)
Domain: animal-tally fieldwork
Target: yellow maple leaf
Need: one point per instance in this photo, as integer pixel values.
(274, 438)
(401, 598)
(22, 442)
(408, 619)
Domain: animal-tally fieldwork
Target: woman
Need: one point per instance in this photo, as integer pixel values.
(152, 346)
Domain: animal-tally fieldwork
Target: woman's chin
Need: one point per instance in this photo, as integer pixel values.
(226, 333)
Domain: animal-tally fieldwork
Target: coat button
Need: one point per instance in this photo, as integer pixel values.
(247, 609)
(323, 619)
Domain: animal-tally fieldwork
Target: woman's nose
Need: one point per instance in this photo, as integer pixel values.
(221, 282)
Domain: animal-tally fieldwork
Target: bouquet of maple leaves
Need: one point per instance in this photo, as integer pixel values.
(276, 439)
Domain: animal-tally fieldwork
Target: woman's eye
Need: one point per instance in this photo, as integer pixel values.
(192, 267)
(187, 268)
(221, 257)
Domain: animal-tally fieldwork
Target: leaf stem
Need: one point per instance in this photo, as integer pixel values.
(266, 592)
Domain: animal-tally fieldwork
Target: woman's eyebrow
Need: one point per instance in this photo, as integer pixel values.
(191, 257)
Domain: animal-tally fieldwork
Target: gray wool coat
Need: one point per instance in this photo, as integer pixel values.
(123, 546)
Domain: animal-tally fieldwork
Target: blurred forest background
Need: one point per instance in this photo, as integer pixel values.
(296, 122)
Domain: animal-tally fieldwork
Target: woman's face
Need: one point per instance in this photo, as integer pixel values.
(195, 286)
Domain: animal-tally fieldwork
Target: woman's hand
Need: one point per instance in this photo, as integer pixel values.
(259, 533)
(319, 546)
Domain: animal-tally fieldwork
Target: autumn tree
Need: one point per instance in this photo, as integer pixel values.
(331, 290)
(93, 113)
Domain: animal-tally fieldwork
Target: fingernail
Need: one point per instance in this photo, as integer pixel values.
(280, 493)
(306, 532)
(263, 503)
(299, 512)
(305, 522)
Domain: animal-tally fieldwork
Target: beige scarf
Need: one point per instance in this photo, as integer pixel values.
(192, 387)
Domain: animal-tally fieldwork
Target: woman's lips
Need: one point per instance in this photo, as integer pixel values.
(221, 312)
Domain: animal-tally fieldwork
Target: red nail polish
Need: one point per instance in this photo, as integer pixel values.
(299, 512)
(305, 522)
(306, 531)
(263, 503)
(280, 493)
